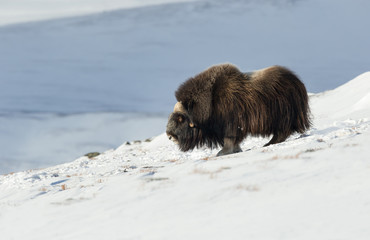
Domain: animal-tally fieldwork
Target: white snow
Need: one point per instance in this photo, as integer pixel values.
(354, 99)
(315, 186)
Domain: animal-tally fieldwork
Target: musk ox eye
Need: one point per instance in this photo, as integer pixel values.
(180, 119)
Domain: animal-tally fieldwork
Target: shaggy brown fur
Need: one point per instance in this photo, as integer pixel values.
(222, 105)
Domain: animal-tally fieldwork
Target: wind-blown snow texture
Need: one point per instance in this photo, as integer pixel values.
(315, 186)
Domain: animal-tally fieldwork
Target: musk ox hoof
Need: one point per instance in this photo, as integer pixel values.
(229, 151)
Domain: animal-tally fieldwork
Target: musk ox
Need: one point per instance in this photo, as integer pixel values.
(221, 106)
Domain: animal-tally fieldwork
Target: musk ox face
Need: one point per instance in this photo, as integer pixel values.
(180, 128)
(177, 127)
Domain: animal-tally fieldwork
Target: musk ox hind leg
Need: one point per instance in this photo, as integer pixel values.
(277, 138)
(230, 146)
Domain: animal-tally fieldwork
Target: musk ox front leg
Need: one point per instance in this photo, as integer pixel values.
(230, 146)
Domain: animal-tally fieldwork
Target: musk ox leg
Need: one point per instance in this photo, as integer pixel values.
(230, 146)
(277, 138)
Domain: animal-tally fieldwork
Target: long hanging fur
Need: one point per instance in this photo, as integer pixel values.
(224, 102)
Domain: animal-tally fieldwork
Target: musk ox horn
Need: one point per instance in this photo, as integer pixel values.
(179, 108)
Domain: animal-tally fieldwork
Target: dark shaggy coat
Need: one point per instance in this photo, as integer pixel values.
(223, 102)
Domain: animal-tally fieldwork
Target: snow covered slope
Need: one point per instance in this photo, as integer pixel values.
(315, 186)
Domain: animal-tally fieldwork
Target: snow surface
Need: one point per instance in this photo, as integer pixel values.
(132, 60)
(315, 186)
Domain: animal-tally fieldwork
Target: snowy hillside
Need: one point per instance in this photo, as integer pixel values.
(315, 186)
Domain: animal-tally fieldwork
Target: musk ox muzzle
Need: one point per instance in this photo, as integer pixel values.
(221, 106)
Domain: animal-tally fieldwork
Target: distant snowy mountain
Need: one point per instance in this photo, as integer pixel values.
(18, 11)
(315, 186)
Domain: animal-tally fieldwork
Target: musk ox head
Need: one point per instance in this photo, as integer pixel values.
(181, 129)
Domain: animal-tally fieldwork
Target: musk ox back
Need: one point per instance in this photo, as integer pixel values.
(221, 106)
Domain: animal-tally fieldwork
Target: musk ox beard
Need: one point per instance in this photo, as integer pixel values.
(221, 106)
